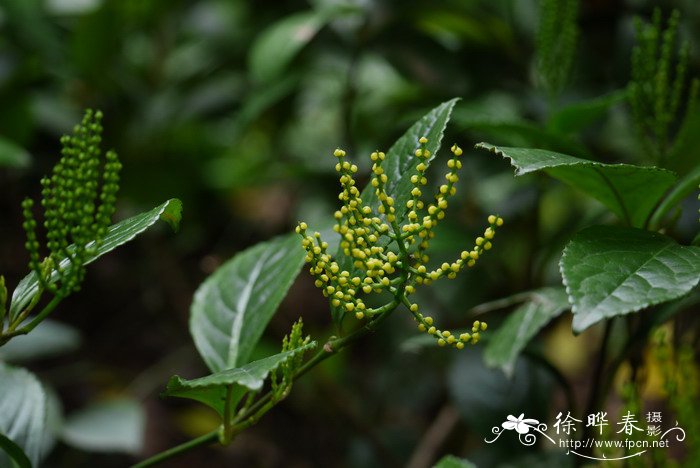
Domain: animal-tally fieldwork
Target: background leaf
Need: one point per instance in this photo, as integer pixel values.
(15, 453)
(233, 306)
(107, 426)
(522, 325)
(277, 45)
(610, 271)
(12, 155)
(23, 412)
(450, 461)
(211, 390)
(631, 192)
(118, 234)
(48, 339)
(577, 116)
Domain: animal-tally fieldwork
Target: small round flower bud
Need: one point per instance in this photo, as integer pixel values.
(422, 140)
(441, 342)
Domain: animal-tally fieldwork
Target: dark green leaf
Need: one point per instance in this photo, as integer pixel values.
(233, 306)
(631, 192)
(522, 325)
(610, 271)
(525, 133)
(23, 412)
(118, 234)
(450, 461)
(576, 117)
(15, 453)
(107, 426)
(211, 390)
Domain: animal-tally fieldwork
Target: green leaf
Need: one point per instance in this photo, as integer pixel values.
(211, 390)
(631, 192)
(12, 155)
(233, 306)
(450, 461)
(276, 47)
(610, 271)
(15, 453)
(400, 162)
(23, 412)
(506, 343)
(107, 426)
(48, 339)
(117, 235)
(576, 117)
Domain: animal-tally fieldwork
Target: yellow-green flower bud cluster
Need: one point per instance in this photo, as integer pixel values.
(426, 324)
(78, 200)
(367, 234)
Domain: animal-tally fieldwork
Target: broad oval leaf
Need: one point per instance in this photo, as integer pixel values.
(107, 426)
(211, 390)
(234, 305)
(506, 343)
(631, 192)
(610, 271)
(117, 235)
(23, 412)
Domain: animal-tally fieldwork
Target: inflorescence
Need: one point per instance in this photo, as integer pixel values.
(377, 254)
(78, 200)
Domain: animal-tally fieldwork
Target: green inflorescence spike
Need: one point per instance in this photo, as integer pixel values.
(78, 200)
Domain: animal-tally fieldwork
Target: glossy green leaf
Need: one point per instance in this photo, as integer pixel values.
(48, 339)
(450, 461)
(233, 306)
(506, 343)
(117, 235)
(23, 412)
(277, 46)
(107, 426)
(610, 271)
(15, 452)
(631, 192)
(211, 390)
(12, 155)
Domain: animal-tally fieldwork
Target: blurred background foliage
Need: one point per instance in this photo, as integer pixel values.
(235, 107)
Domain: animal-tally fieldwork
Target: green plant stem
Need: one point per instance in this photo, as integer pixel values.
(596, 398)
(262, 405)
(205, 439)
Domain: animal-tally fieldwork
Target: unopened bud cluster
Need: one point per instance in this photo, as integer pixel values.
(381, 255)
(78, 200)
